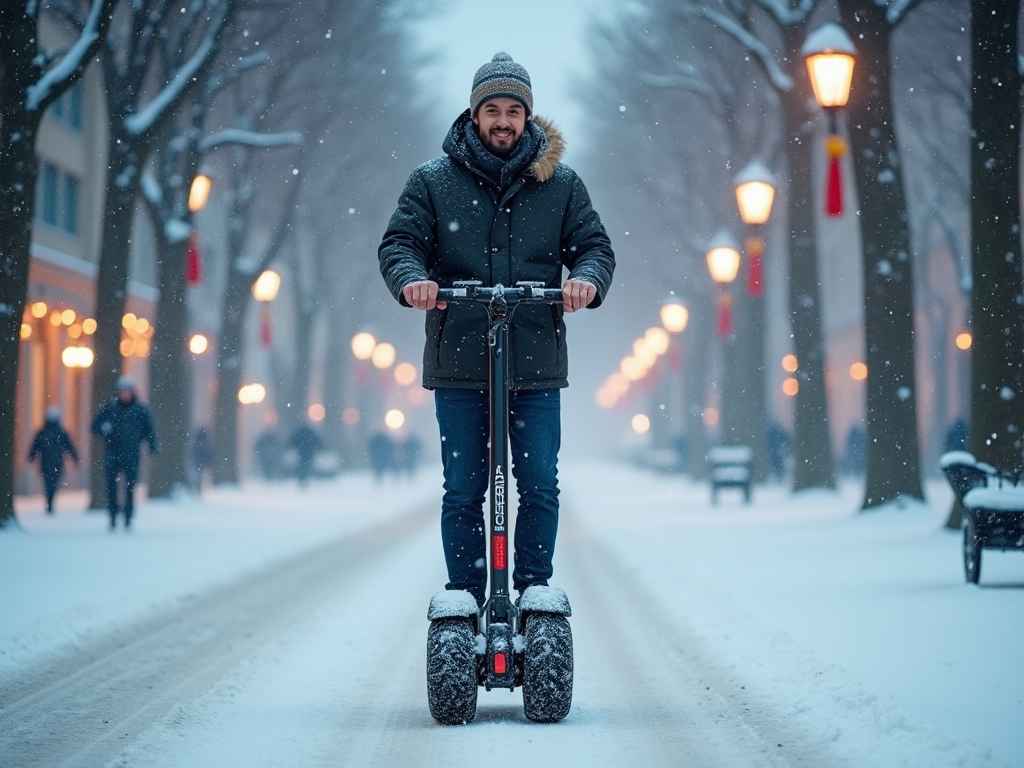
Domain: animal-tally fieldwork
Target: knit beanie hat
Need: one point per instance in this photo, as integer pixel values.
(501, 77)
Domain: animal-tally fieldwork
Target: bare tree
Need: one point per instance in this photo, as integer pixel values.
(31, 78)
(997, 361)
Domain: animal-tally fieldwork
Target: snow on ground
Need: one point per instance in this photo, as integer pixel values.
(804, 585)
(857, 629)
(68, 578)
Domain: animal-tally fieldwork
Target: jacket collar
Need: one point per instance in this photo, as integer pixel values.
(549, 141)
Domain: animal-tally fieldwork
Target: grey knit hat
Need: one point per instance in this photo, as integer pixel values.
(501, 77)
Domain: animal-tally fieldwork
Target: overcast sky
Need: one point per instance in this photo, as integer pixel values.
(545, 36)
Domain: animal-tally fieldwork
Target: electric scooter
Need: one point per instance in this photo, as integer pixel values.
(527, 643)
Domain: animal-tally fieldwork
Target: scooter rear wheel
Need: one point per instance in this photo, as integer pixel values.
(451, 671)
(547, 667)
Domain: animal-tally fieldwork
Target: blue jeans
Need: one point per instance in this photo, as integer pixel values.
(535, 436)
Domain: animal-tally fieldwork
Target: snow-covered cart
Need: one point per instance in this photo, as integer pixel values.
(993, 503)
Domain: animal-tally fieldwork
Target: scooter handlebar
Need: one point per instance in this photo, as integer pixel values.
(521, 292)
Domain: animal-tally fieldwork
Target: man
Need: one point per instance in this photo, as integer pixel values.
(124, 423)
(50, 445)
(500, 208)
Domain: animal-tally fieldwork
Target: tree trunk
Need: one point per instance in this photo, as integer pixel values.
(997, 355)
(814, 465)
(298, 391)
(19, 168)
(697, 340)
(229, 380)
(893, 464)
(170, 388)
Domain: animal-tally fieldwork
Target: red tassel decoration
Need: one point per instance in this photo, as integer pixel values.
(193, 264)
(836, 148)
(266, 320)
(755, 272)
(724, 315)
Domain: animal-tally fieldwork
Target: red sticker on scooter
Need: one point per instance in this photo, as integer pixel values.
(498, 546)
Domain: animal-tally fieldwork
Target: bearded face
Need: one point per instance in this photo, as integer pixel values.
(500, 123)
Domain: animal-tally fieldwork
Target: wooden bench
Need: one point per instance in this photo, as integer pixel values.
(729, 466)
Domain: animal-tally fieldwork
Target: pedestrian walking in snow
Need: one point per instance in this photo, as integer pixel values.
(124, 423)
(499, 207)
(202, 456)
(306, 443)
(268, 454)
(50, 444)
(381, 451)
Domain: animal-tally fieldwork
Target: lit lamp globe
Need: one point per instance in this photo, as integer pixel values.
(674, 316)
(363, 344)
(266, 286)
(200, 190)
(830, 55)
(657, 340)
(723, 258)
(755, 192)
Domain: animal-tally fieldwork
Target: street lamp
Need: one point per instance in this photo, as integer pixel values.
(830, 55)
(674, 315)
(363, 344)
(755, 192)
(264, 290)
(723, 263)
(199, 192)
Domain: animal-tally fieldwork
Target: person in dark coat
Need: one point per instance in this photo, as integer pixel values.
(381, 451)
(202, 455)
(306, 442)
(268, 454)
(498, 207)
(51, 443)
(124, 423)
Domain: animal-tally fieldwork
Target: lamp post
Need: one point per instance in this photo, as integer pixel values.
(198, 193)
(264, 290)
(755, 193)
(674, 317)
(830, 55)
(723, 258)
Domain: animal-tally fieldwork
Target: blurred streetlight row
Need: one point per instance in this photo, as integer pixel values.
(646, 350)
(382, 355)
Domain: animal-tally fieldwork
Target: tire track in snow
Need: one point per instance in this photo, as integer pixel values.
(82, 709)
(667, 682)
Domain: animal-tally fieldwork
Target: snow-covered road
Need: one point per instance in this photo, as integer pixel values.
(268, 635)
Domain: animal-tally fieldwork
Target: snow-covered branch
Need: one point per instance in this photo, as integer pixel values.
(71, 65)
(898, 9)
(143, 121)
(786, 16)
(151, 189)
(681, 82)
(250, 139)
(779, 79)
(244, 64)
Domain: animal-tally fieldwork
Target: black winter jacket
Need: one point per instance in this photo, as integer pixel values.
(454, 223)
(50, 444)
(124, 427)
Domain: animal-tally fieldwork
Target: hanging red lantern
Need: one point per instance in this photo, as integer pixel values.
(193, 264)
(755, 271)
(266, 321)
(724, 315)
(835, 148)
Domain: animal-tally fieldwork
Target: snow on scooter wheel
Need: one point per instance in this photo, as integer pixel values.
(547, 667)
(451, 671)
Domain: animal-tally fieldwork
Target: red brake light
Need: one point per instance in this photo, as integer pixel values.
(500, 664)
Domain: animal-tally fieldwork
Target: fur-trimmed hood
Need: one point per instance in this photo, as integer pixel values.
(550, 144)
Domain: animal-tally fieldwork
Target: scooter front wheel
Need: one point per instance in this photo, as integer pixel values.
(547, 667)
(451, 671)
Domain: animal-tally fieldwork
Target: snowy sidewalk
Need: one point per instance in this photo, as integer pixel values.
(794, 590)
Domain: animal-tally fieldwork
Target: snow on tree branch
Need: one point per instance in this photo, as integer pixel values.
(70, 65)
(786, 16)
(682, 82)
(250, 139)
(151, 189)
(898, 9)
(143, 121)
(779, 79)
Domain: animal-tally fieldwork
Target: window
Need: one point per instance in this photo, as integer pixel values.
(49, 179)
(67, 110)
(70, 204)
(74, 97)
(57, 198)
